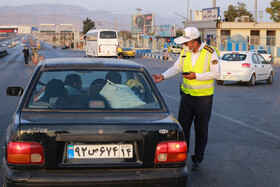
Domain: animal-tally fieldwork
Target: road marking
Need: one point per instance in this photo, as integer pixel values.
(247, 126)
(235, 121)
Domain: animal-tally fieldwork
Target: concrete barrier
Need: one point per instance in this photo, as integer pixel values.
(143, 50)
(157, 56)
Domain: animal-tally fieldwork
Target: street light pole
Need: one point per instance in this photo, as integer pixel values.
(188, 10)
(181, 16)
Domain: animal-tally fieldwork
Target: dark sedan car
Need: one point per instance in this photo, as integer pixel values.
(93, 122)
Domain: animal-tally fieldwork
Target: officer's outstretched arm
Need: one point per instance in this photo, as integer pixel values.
(157, 78)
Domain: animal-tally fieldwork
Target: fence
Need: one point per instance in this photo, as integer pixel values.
(240, 43)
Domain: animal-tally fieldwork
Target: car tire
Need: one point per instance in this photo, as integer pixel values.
(219, 82)
(270, 78)
(252, 80)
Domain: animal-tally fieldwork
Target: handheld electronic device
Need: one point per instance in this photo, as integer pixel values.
(185, 73)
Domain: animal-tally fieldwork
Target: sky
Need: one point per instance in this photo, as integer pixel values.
(164, 8)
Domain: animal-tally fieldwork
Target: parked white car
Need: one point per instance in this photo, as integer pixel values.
(245, 66)
(264, 53)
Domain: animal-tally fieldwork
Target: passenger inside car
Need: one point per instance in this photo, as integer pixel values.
(96, 100)
(73, 84)
(137, 87)
(54, 89)
(114, 77)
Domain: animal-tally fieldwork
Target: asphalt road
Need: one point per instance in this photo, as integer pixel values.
(244, 133)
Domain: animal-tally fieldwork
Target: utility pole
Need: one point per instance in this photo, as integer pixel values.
(256, 10)
(188, 10)
(261, 15)
(98, 24)
(115, 23)
(214, 3)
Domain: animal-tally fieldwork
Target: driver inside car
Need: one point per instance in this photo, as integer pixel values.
(137, 87)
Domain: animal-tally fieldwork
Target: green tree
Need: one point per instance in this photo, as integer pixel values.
(237, 11)
(88, 25)
(274, 11)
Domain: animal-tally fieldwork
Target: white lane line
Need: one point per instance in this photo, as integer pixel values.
(247, 126)
(235, 121)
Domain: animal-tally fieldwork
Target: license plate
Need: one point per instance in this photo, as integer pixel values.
(100, 151)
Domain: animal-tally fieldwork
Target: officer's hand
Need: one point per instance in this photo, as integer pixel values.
(157, 78)
(192, 75)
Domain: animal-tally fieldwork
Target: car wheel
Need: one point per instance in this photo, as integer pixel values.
(270, 79)
(219, 82)
(252, 80)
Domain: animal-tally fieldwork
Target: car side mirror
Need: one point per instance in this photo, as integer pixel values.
(14, 91)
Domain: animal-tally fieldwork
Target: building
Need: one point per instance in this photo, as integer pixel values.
(240, 35)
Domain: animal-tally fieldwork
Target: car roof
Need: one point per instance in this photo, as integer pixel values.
(240, 52)
(88, 63)
(258, 50)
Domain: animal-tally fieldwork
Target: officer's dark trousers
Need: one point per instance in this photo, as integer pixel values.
(199, 110)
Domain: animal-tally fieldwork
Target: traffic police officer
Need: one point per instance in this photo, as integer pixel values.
(199, 65)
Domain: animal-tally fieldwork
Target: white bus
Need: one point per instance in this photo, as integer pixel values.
(101, 43)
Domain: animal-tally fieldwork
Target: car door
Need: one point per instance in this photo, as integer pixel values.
(257, 67)
(265, 67)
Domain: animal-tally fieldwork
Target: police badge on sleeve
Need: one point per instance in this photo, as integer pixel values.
(214, 62)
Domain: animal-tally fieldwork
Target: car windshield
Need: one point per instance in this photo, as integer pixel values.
(127, 49)
(234, 57)
(262, 52)
(93, 90)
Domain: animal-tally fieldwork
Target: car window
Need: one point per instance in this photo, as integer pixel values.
(234, 57)
(255, 59)
(92, 89)
(262, 60)
(262, 52)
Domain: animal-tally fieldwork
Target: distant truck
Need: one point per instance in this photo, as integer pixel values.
(101, 43)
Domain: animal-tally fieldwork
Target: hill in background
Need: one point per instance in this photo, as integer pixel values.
(65, 14)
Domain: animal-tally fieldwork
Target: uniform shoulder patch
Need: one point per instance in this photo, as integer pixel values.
(214, 62)
(208, 48)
